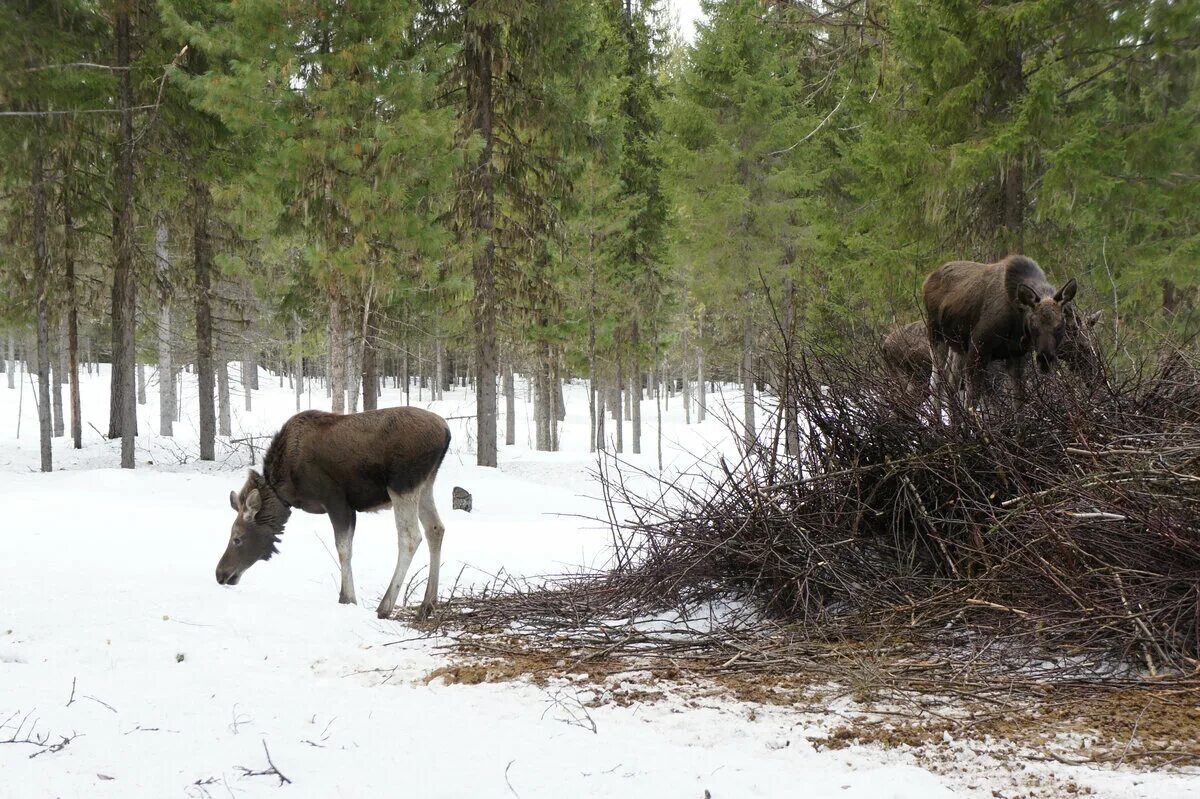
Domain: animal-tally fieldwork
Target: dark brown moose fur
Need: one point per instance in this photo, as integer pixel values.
(341, 465)
(993, 312)
(906, 353)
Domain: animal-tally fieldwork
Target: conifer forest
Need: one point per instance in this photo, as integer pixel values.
(693, 303)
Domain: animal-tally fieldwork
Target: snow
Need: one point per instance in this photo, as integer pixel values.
(113, 628)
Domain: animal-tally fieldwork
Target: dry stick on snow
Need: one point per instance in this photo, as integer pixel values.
(271, 771)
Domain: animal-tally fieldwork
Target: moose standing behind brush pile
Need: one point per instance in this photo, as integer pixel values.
(342, 465)
(993, 312)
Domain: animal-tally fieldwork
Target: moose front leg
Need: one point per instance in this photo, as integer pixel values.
(1016, 372)
(343, 538)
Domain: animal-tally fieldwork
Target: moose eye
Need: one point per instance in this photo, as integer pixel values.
(237, 542)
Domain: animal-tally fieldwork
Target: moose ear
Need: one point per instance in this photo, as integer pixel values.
(1027, 296)
(233, 500)
(1066, 293)
(255, 477)
(253, 505)
(1094, 318)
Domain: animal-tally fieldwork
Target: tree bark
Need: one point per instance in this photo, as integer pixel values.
(58, 375)
(791, 427)
(701, 386)
(370, 370)
(12, 361)
(202, 258)
(601, 444)
(748, 379)
(353, 371)
(41, 280)
(72, 322)
(224, 422)
(122, 407)
(297, 359)
(510, 406)
(480, 45)
(617, 415)
(141, 383)
(337, 347)
(166, 366)
(635, 393)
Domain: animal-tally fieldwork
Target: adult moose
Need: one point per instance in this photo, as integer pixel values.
(992, 312)
(905, 350)
(342, 465)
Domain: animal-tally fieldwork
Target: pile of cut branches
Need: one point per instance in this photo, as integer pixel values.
(1061, 535)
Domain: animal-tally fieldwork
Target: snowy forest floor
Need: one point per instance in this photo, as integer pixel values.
(125, 670)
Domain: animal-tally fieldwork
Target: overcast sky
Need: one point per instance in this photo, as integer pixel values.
(689, 12)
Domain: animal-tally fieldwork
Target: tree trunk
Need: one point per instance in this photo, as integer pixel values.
(635, 394)
(72, 326)
(687, 385)
(12, 361)
(353, 371)
(748, 379)
(480, 46)
(787, 402)
(247, 370)
(202, 259)
(598, 433)
(370, 371)
(166, 366)
(337, 347)
(701, 386)
(141, 384)
(297, 359)
(41, 280)
(58, 375)
(439, 370)
(224, 422)
(510, 406)
(617, 416)
(122, 407)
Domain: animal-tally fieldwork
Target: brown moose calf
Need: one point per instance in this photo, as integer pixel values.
(342, 465)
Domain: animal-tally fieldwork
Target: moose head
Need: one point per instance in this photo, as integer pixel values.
(260, 518)
(1045, 321)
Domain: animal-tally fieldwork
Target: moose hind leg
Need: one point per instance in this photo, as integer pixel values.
(434, 529)
(408, 537)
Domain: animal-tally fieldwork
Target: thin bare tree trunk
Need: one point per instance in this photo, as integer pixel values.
(439, 370)
(618, 416)
(166, 366)
(337, 347)
(297, 358)
(510, 406)
(370, 371)
(635, 394)
(58, 377)
(224, 422)
(687, 383)
(41, 278)
(123, 408)
(598, 433)
(12, 362)
(701, 386)
(202, 258)
(791, 427)
(748, 379)
(481, 49)
(141, 384)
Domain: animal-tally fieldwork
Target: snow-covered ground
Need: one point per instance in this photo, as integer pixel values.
(113, 630)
